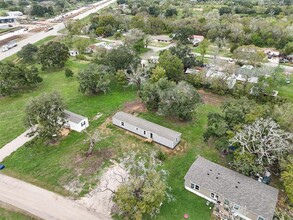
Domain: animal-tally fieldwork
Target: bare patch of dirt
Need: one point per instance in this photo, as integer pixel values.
(87, 166)
(210, 98)
(179, 149)
(134, 107)
(103, 128)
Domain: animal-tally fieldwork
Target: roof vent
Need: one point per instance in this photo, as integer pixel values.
(208, 174)
(211, 170)
(236, 187)
(218, 173)
(217, 177)
(238, 182)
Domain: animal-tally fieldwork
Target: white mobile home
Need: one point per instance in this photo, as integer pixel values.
(76, 122)
(144, 128)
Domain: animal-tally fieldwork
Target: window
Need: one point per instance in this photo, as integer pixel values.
(261, 218)
(194, 186)
(122, 123)
(144, 132)
(214, 196)
(136, 129)
(226, 202)
(236, 207)
(83, 123)
(151, 135)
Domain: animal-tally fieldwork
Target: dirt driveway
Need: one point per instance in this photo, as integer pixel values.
(43, 203)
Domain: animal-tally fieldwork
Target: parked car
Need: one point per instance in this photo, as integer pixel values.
(2, 166)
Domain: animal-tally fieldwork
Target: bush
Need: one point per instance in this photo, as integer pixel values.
(81, 57)
(68, 72)
(161, 156)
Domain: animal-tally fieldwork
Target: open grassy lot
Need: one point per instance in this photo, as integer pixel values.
(10, 215)
(56, 167)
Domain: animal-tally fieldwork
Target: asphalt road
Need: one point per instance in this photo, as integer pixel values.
(41, 35)
(43, 203)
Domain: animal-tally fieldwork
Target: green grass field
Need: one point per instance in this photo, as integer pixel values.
(52, 167)
(9, 215)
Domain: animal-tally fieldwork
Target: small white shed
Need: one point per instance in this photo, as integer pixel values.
(76, 122)
(73, 53)
(144, 128)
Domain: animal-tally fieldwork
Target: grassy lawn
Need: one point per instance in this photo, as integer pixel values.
(53, 167)
(9, 215)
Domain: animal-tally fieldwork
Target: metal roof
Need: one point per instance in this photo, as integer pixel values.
(147, 126)
(246, 192)
(75, 118)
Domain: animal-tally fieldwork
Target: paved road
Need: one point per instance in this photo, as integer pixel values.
(43, 203)
(41, 35)
(14, 145)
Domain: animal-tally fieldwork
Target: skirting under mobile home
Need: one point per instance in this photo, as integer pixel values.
(144, 128)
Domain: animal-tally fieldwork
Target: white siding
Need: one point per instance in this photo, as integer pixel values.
(147, 134)
(80, 126)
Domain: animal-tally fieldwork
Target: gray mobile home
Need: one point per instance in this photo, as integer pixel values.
(144, 128)
(247, 198)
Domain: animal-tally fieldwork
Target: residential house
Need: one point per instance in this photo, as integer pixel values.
(7, 19)
(163, 39)
(149, 130)
(76, 122)
(245, 197)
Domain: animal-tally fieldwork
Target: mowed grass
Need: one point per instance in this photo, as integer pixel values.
(52, 167)
(9, 215)
(47, 166)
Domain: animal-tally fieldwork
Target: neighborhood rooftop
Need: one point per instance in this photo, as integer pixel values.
(73, 117)
(148, 126)
(257, 197)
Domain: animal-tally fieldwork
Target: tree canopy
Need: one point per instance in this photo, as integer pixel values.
(53, 54)
(28, 53)
(47, 113)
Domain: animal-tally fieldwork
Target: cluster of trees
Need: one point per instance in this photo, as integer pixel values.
(168, 98)
(17, 77)
(52, 54)
(258, 135)
(224, 23)
(41, 11)
(105, 25)
(146, 188)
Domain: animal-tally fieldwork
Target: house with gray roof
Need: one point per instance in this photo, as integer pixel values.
(245, 197)
(149, 130)
(76, 122)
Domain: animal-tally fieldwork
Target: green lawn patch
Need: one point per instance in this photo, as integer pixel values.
(10, 215)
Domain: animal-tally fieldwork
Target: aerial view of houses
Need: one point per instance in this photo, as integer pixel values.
(143, 109)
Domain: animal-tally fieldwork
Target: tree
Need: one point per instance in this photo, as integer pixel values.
(265, 139)
(46, 113)
(91, 140)
(81, 44)
(172, 65)
(15, 77)
(245, 163)
(68, 72)
(283, 115)
(136, 75)
(170, 12)
(119, 58)
(180, 101)
(157, 74)
(28, 53)
(183, 33)
(288, 48)
(185, 54)
(146, 188)
(53, 54)
(203, 47)
(150, 93)
(94, 79)
(135, 39)
(287, 177)
(250, 54)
